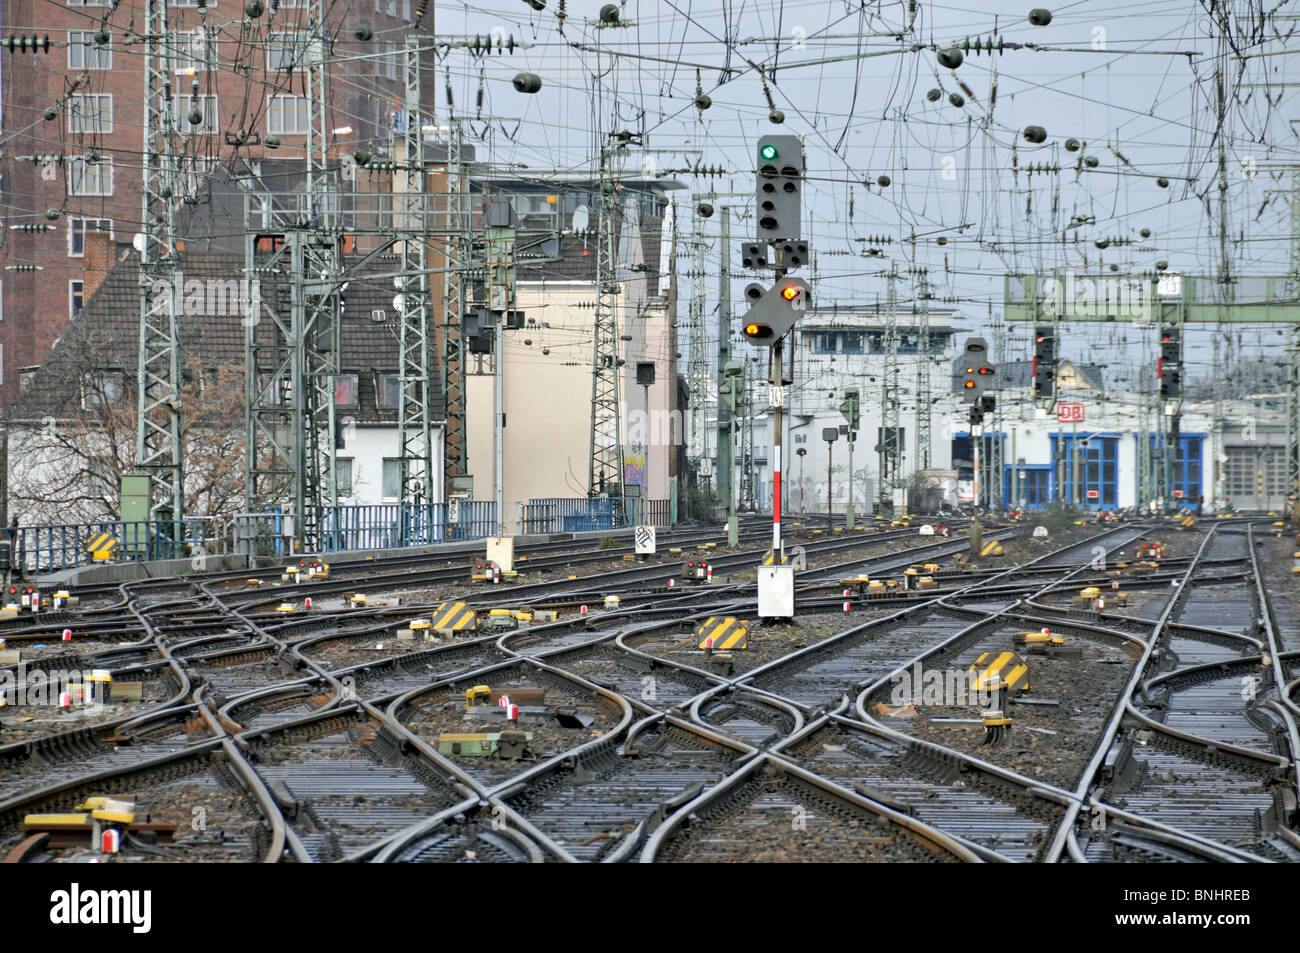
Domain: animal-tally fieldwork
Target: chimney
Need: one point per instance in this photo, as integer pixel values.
(101, 254)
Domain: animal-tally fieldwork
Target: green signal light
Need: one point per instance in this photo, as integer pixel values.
(768, 152)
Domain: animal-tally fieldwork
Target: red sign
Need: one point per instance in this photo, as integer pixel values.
(1092, 494)
(1178, 494)
(1069, 413)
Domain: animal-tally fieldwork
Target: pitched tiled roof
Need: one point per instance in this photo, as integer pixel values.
(107, 335)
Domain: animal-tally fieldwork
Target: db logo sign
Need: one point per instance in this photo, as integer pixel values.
(1069, 413)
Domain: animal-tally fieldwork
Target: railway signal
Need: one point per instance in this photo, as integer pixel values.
(774, 311)
(779, 188)
(1169, 368)
(851, 408)
(1043, 372)
(978, 375)
(732, 386)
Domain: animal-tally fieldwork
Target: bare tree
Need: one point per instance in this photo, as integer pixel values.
(67, 463)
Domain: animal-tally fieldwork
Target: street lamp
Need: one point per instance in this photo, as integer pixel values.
(830, 435)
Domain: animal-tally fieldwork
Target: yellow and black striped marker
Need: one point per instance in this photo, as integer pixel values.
(1188, 522)
(993, 548)
(454, 617)
(769, 558)
(993, 669)
(101, 546)
(727, 632)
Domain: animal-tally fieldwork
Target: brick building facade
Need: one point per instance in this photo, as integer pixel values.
(244, 70)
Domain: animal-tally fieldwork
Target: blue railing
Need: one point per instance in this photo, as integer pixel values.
(581, 514)
(53, 547)
(341, 528)
(391, 525)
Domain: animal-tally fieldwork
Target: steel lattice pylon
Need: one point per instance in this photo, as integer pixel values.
(455, 248)
(318, 300)
(746, 413)
(697, 368)
(605, 463)
(923, 414)
(1293, 355)
(414, 427)
(158, 412)
(293, 261)
(890, 449)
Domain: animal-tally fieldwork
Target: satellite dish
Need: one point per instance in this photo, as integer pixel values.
(138, 242)
(581, 218)
(398, 304)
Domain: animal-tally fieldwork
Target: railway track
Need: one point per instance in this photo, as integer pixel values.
(319, 733)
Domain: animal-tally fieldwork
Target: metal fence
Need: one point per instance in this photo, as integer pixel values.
(342, 528)
(53, 547)
(581, 514)
(378, 526)
(391, 525)
(658, 512)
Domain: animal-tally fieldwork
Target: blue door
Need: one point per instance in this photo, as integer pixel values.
(1095, 469)
(1188, 464)
(1034, 486)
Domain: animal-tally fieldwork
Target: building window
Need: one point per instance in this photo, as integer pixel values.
(287, 115)
(293, 49)
(207, 105)
(85, 53)
(193, 51)
(88, 3)
(101, 389)
(285, 50)
(391, 8)
(90, 114)
(392, 475)
(77, 229)
(345, 390)
(76, 298)
(390, 60)
(824, 342)
(406, 10)
(390, 391)
(343, 475)
(86, 178)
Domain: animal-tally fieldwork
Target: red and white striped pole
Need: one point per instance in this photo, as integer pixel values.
(777, 378)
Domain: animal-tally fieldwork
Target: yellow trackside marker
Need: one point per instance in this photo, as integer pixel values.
(100, 547)
(726, 632)
(994, 668)
(454, 617)
(55, 820)
(993, 548)
(769, 558)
